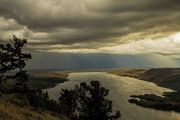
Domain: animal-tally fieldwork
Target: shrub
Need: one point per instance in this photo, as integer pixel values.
(87, 102)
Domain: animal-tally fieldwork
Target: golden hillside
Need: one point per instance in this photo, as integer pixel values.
(10, 111)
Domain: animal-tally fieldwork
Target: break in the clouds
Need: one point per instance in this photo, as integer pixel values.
(91, 26)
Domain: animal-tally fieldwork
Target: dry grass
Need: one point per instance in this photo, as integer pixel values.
(45, 80)
(57, 74)
(9, 111)
(128, 72)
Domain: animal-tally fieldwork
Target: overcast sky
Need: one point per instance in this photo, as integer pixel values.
(94, 26)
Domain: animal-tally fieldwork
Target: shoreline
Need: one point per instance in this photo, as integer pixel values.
(49, 79)
(134, 73)
(169, 101)
(46, 80)
(162, 77)
(165, 103)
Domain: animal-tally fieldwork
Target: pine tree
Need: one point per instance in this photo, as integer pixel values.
(87, 102)
(19, 61)
(5, 59)
(93, 104)
(68, 102)
(12, 57)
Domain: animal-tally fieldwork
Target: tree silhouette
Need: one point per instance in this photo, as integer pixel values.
(19, 60)
(5, 59)
(88, 102)
(94, 105)
(12, 58)
(68, 102)
(4, 62)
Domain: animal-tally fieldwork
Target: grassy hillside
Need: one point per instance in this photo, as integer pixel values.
(10, 111)
(44, 80)
(16, 105)
(166, 77)
(128, 72)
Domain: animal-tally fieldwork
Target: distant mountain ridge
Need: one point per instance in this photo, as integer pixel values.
(166, 77)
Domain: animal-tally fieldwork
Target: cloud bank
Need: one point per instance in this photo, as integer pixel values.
(93, 26)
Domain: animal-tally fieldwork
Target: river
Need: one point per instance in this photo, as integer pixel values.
(121, 88)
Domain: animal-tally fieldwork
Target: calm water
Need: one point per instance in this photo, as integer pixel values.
(120, 90)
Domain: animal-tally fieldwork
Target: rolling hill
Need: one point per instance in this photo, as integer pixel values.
(166, 77)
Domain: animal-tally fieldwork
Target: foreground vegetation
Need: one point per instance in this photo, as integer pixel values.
(10, 111)
(87, 102)
(84, 102)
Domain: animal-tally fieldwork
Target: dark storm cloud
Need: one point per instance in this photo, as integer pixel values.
(89, 23)
(138, 5)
